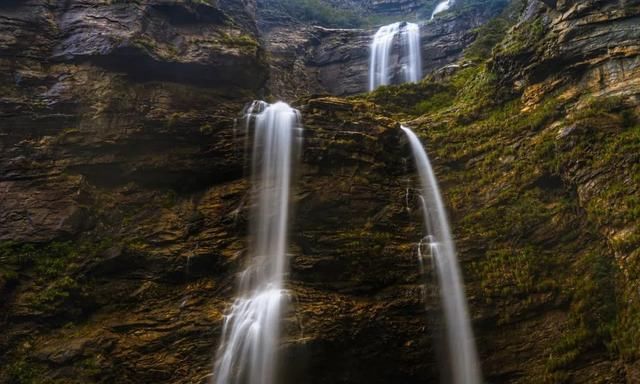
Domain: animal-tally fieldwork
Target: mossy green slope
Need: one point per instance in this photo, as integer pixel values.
(544, 192)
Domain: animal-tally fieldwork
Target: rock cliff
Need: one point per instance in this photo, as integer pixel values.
(124, 204)
(112, 113)
(84, 82)
(538, 148)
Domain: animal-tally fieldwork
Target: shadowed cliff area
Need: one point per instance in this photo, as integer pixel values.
(124, 188)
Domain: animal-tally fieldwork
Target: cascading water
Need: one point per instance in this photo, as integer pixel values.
(413, 71)
(380, 62)
(463, 357)
(248, 350)
(442, 6)
(249, 116)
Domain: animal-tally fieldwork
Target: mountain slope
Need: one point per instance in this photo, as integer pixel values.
(538, 152)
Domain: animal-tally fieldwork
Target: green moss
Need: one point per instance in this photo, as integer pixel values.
(47, 260)
(476, 91)
(524, 37)
(24, 371)
(544, 198)
(50, 260)
(608, 138)
(514, 272)
(626, 331)
(413, 99)
(592, 314)
(146, 43)
(489, 35)
(207, 129)
(238, 40)
(169, 198)
(89, 368)
(151, 46)
(435, 102)
(509, 170)
(53, 268)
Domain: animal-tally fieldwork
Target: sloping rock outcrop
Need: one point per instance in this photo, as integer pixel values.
(592, 43)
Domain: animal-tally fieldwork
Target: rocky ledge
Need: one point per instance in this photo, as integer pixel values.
(185, 41)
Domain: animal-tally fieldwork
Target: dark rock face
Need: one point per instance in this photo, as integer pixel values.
(49, 210)
(124, 203)
(383, 8)
(315, 60)
(82, 91)
(343, 247)
(165, 274)
(158, 40)
(111, 114)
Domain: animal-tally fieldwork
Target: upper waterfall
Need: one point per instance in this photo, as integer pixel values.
(406, 59)
(248, 351)
(441, 7)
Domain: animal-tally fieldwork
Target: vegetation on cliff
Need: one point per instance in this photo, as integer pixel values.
(545, 196)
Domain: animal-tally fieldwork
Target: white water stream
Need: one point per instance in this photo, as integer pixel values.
(248, 350)
(383, 59)
(462, 355)
(442, 7)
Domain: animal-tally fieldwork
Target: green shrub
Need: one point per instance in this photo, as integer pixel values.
(488, 36)
(22, 372)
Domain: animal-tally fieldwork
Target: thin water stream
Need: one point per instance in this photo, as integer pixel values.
(462, 358)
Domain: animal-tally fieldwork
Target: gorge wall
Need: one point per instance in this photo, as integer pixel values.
(123, 212)
(307, 59)
(114, 114)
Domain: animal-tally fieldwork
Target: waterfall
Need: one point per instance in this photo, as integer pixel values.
(381, 63)
(248, 349)
(463, 357)
(249, 116)
(413, 71)
(442, 6)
